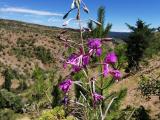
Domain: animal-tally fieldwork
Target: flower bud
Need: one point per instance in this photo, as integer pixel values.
(73, 5)
(85, 9)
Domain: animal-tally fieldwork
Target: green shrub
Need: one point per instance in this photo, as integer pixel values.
(149, 87)
(24, 48)
(154, 46)
(26, 52)
(23, 43)
(131, 113)
(141, 114)
(120, 50)
(56, 94)
(10, 100)
(6, 114)
(1, 47)
(9, 75)
(43, 54)
(40, 92)
(39, 86)
(114, 111)
(22, 85)
(55, 114)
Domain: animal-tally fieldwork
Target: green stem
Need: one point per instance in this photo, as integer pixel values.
(90, 87)
(81, 35)
(131, 114)
(101, 82)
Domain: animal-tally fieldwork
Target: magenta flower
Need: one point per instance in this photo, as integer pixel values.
(98, 52)
(111, 58)
(116, 74)
(65, 86)
(105, 70)
(64, 65)
(77, 61)
(76, 68)
(73, 59)
(95, 46)
(85, 60)
(97, 97)
(94, 43)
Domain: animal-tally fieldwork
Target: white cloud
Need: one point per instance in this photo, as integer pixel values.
(29, 11)
(54, 19)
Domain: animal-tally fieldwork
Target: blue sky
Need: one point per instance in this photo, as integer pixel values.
(50, 12)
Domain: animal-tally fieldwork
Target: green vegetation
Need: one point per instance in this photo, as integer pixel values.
(115, 107)
(19, 52)
(148, 87)
(138, 41)
(25, 43)
(120, 50)
(1, 47)
(158, 29)
(7, 114)
(9, 75)
(57, 113)
(43, 54)
(56, 94)
(130, 113)
(39, 87)
(10, 100)
(26, 48)
(100, 31)
(154, 46)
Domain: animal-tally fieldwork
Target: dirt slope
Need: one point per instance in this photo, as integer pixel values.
(134, 97)
(24, 46)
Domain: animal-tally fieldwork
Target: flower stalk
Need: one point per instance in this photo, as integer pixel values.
(91, 95)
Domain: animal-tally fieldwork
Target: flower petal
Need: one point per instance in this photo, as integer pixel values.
(99, 52)
(111, 58)
(106, 70)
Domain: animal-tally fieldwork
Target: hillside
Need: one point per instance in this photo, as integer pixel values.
(25, 46)
(134, 96)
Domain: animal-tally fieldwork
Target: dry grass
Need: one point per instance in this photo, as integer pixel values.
(12, 31)
(134, 97)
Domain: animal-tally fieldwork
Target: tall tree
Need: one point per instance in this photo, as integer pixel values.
(158, 29)
(100, 31)
(138, 41)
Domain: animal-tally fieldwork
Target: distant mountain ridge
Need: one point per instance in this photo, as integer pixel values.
(120, 35)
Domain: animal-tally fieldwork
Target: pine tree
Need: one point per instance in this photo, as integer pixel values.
(102, 30)
(138, 41)
(158, 29)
